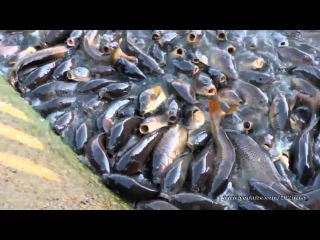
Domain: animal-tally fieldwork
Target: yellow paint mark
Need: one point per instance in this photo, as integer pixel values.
(28, 166)
(9, 109)
(20, 136)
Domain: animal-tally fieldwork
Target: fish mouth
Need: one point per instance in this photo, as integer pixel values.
(231, 49)
(156, 36)
(247, 126)
(144, 129)
(172, 119)
(71, 42)
(211, 91)
(221, 36)
(70, 75)
(192, 37)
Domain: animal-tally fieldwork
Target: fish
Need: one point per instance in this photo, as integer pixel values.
(202, 169)
(175, 176)
(169, 147)
(115, 90)
(193, 117)
(97, 154)
(54, 105)
(185, 67)
(225, 156)
(294, 56)
(251, 95)
(168, 39)
(280, 39)
(198, 139)
(94, 85)
(120, 133)
(79, 74)
(61, 71)
(51, 90)
(192, 201)
(257, 78)
(173, 110)
(129, 69)
(221, 35)
(158, 54)
(299, 118)
(156, 205)
(183, 90)
(129, 188)
(82, 135)
(41, 56)
(56, 36)
(152, 123)
(151, 99)
(203, 85)
(134, 159)
(38, 77)
(279, 113)
(106, 119)
(218, 78)
(133, 140)
(301, 153)
(257, 165)
(63, 121)
(195, 36)
(75, 38)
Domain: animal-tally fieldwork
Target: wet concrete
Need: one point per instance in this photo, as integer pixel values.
(37, 170)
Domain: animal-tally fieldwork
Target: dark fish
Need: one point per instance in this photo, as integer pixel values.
(305, 87)
(105, 120)
(75, 38)
(150, 99)
(280, 39)
(174, 110)
(53, 89)
(271, 198)
(251, 43)
(218, 78)
(38, 76)
(301, 152)
(310, 73)
(129, 69)
(222, 60)
(249, 61)
(101, 70)
(170, 146)
(63, 121)
(56, 36)
(153, 123)
(227, 46)
(252, 95)
(247, 205)
(198, 139)
(61, 71)
(168, 39)
(184, 90)
(97, 154)
(185, 67)
(175, 176)
(203, 85)
(128, 111)
(157, 34)
(94, 85)
(202, 169)
(193, 117)
(191, 201)
(82, 135)
(54, 105)
(129, 188)
(299, 118)
(156, 205)
(158, 54)
(221, 35)
(256, 78)
(41, 56)
(256, 164)
(279, 113)
(120, 133)
(133, 140)
(134, 159)
(79, 74)
(225, 152)
(294, 55)
(145, 61)
(229, 96)
(115, 90)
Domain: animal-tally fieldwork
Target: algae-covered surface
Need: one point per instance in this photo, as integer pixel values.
(37, 170)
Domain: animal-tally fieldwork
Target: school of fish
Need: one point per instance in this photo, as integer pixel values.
(181, 119)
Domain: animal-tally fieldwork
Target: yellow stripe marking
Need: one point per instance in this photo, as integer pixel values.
(27, 166)
(9, 109)
(20, 136)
